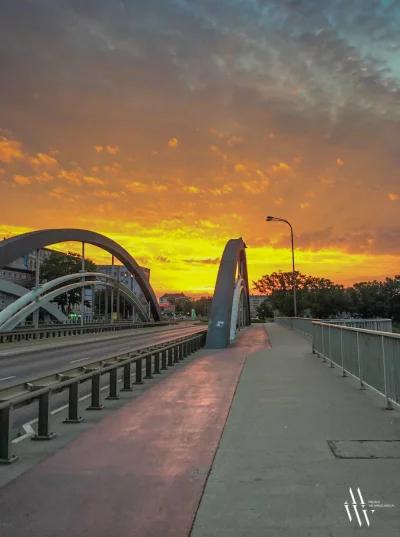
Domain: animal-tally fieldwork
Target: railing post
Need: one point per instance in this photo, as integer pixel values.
(113, 394)
(157, 363)
(139, 375)
(344, 374)
(323, 343)
(170, 354)
(73, 404)
(148, 367)
(6, 456)
(127, 378)
(389, 405)
(362, 387)
(44, 418)
(176, 354)
(181, 352)
(313, 333)
(330, 346)
(164, 359)
(95, 395)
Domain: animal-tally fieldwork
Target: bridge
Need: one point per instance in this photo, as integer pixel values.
(288, 428)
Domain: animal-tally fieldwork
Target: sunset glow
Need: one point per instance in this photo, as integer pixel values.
(172, 127)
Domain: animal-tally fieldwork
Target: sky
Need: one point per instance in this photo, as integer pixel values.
(174, 126)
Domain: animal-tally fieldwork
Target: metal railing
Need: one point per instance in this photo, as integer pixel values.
(155, 358)
(372, 357)
(72, 330)
(305, 326)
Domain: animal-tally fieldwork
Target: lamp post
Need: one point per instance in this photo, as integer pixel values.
(274, 219)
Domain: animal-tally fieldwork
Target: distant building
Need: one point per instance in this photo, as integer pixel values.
(255, 301)
(171, 297)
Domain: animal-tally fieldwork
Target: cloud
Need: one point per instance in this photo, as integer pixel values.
(43, 159)
(21, 180)
(339, 162)
(240, 168)
(92, 180)
(44, 177)
(98, 148)
(10, 150)
(305, 205)
(71, 177)
(173, 142)
(136, 187)
(393, 197)
(226, 189)
(279, 201)
(235, 140)
(112, 149)
(282, 167)
(215, 261)
(108, 194)
(192, 189)
(163, 259)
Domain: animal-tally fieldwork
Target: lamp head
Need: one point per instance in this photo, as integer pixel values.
(269, 218)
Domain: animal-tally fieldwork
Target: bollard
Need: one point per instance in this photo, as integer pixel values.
(73, 404)
(95, 400)
(139, 379)
(113, 394)
(127, 378)
(44, 418)
(6, 456)
(148, 367)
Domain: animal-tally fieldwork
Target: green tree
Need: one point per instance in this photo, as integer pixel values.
(58, 265)
(264, 310)
(183, 305)
(202, 306)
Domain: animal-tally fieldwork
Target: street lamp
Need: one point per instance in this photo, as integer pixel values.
(274, 219)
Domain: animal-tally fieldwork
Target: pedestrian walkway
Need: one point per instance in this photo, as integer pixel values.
(149, 469)
(274, 473)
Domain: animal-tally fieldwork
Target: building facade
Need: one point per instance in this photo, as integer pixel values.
(255, 301)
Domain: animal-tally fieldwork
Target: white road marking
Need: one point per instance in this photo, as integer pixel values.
(81, 359)
(6, 378)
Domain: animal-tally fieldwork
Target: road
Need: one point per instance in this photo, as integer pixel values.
(25, 365)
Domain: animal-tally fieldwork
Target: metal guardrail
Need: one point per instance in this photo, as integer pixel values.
(156, 358)
(72, 330)
(305, 326)
(372, 357)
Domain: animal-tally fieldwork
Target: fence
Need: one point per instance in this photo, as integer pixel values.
(370, 355)
(156, 359)
(305, 326)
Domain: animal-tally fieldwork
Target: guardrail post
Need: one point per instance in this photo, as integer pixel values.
(44, 418)
(323, 344)
(127, 378)
(176, 354)
(139, 375)
(362, 387)
(148, 367)
(157, 363)
(164, 359)
(113, 394)
(330, 347)
(5, 436)
(389, 405)
(181, 352)
(95, 401)
(344, 374)
(170, 354)
(73, 404)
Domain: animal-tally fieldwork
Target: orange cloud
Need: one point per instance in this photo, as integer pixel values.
(57, 193)
(93, 180)
(112, 149)
(98, 148)
(10, 150)
(174, 142)
(44, 177)
(254, 187)
(107, 194)
(283, 167)
(240, 168)
(327, 181)
(22, 180)
(339, 162)
(95, 169)
(71, 177)
(159, 188)
(393, 197)
(136, 187)
(305, 205)
(279, 201)
(220, 191)
(235, 140)
(192, 189)
(43, 159)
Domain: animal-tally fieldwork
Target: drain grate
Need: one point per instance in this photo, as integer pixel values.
(365, 449)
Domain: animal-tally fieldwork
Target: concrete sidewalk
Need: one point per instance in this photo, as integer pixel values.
(274, 473)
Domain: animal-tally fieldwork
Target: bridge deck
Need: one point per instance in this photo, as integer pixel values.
(143, 471)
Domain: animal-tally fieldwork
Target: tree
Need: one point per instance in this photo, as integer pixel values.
(58, 265)
(264, 310)
(202, 306)
(183, 305)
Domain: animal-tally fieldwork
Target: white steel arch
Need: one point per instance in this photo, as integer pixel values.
(237, 316)
(14, 314)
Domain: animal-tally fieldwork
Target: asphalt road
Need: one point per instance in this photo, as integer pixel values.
(36, 363)
(27, 366)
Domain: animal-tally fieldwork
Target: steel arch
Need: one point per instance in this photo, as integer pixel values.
(19, 291)
(219, 326)
(12, 249)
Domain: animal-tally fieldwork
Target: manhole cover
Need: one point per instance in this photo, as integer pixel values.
(365, 449)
